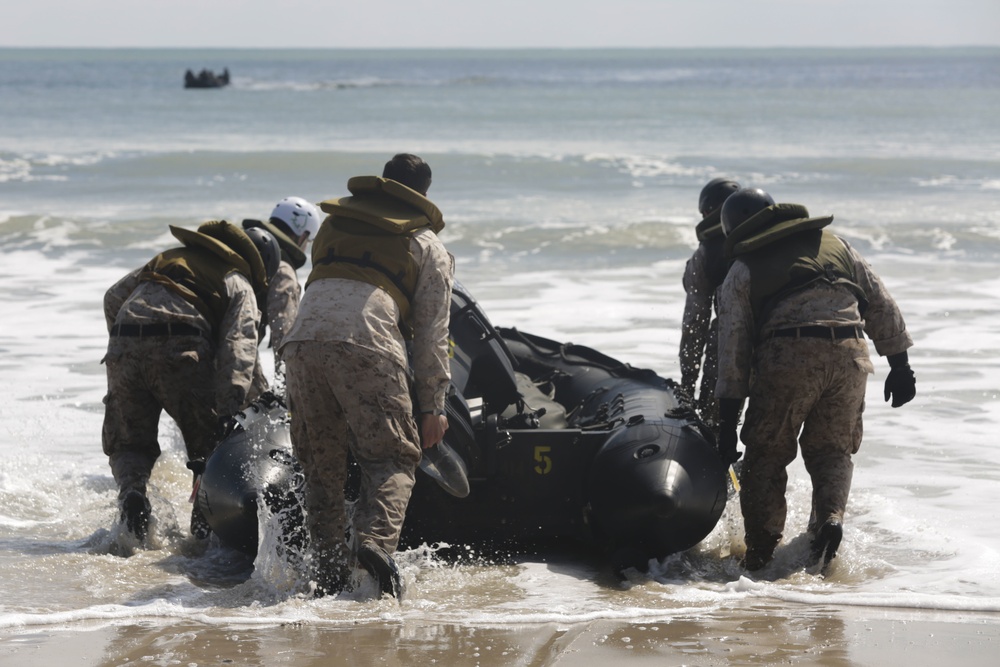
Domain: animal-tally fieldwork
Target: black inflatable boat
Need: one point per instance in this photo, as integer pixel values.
(546, 441)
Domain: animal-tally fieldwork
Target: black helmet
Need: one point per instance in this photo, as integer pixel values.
(715, 192)
(743, 205)
(268, 248)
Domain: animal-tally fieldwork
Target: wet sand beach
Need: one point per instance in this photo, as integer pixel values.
(764, 635)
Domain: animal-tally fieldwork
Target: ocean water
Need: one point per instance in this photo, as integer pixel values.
(569, 181)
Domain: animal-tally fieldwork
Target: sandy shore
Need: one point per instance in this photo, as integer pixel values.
(757, 636)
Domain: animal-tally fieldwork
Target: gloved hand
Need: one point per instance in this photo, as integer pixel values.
(271, 399)
(901, 383)
(727, 444)
(729, 419)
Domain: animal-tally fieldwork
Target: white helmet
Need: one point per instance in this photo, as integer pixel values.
(299, 215)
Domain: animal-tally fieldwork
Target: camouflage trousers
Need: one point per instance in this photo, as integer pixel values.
(811, 386)
(346, 398)
(145, 377)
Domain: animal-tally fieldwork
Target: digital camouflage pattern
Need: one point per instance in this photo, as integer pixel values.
(347, 375)
(819, 386)
(351, 311)
(193, 378)
(342, 398)
(145, 377)
(282, 302)
(819, 304)
(816, 386)
(234, 346)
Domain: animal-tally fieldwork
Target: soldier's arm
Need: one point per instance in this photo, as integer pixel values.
(431, 315)
(697, 317)
(883, 320)
(282, 303)
(236, 355)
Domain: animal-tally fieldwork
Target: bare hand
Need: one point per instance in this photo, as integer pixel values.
(432, 428)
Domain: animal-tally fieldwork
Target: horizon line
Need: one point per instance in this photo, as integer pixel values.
(784, 47)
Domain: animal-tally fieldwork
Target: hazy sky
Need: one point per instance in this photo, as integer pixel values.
(501, 23)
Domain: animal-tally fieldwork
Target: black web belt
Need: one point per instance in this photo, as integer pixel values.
(830, 333)
(158, 329)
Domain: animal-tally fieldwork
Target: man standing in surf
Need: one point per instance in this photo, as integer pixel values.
(183, 338)
(703, 274)
(793, 312)
(381, 280)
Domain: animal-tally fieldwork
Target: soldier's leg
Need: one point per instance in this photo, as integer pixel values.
(377, 403)
(129, 433)
(131, 417)
(320, 438)
(386, 447)
(185, 385)
(784, 390)
(833, 431)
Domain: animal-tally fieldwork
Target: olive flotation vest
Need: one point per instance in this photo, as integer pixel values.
(197, 271)
(290, 250)
(711, 226)
(712, 240)
(367, 238)
(786, 250)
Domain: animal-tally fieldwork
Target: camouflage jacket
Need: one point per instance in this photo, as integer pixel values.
(820, 303)
(351, 311)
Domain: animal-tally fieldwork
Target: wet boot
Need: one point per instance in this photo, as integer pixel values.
(825, 544)
(756, 559)
(380, 565)
(760, 551)
(135, 514)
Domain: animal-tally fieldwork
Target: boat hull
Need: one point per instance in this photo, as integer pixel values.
(547, 441)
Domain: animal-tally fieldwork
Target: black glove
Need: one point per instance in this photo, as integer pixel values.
(197, 467)
(901, 383)
(271, 399)
(729, 419)
(727, 444)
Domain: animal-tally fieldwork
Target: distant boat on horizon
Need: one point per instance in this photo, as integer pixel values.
(206, 79)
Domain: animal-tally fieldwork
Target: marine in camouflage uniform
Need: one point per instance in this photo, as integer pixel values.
(348, 372)
(183, 338)
(293, 222)
(703, 275)
(794, 309)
